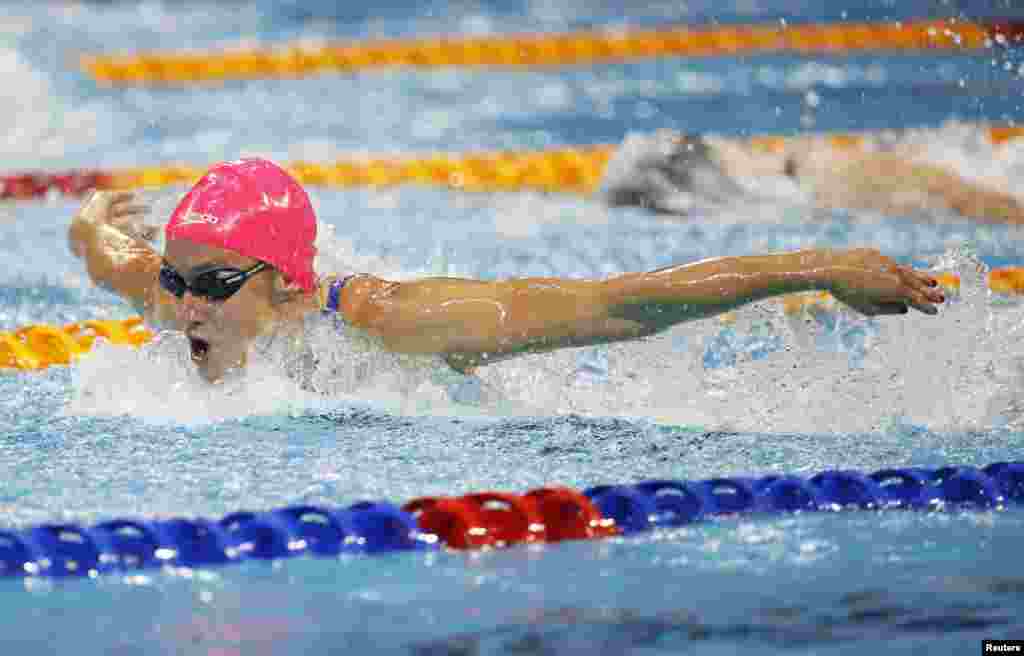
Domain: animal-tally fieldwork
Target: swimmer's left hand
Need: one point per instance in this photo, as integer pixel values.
(118, 209)
(874, 284)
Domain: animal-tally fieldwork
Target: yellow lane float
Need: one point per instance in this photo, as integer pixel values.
(40, 346)
(576, 170)
(1007, 280)
(544, 50)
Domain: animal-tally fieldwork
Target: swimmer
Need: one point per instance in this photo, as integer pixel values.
(238, 265)
(672, 172)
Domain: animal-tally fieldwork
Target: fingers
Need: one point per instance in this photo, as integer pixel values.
(924, 278)
(102, 205)
(127, 214)
(924, 290)
(138, 230)
(124, 205)
(917, 279)
(935, 295)
(923, 300)
(900, 300)
(892, 289)
(95, 208)
(109, 198)
(118, 196)
(126, 210)
(927, 291)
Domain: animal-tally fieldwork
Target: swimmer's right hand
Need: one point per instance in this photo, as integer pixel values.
(120, 210)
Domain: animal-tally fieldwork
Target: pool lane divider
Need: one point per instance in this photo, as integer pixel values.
(538, 50)
(489, 520)
(576, 170)
(39, 346)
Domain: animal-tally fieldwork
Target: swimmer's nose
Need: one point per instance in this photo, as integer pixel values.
(193, 308)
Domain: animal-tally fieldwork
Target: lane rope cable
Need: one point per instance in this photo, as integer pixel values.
(488, 520)
(544, 50)
(569, 170)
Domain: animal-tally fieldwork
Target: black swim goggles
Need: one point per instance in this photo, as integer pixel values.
(213, 283)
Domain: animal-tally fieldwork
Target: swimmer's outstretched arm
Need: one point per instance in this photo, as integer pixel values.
(472, 322)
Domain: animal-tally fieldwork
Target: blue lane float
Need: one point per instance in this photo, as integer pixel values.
(122, 545)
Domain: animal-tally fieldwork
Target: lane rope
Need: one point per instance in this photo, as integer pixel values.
(576, 170)
(545, 50)
(489, 520)
(39, 346)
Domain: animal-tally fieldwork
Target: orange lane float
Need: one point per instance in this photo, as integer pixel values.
(40, 346)
(576, 170)
(545, 50)
(1007, 280)
(950, 281)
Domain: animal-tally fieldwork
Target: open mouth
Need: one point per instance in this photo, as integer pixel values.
(199, 349)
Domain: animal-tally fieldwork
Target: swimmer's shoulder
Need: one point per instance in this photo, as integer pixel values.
(355, 296)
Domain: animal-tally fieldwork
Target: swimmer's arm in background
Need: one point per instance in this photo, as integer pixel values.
(895, 184)
(891, 182)
(471, 322)
(109, 235)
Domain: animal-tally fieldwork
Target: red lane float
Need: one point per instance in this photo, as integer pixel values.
(24, 186)
(501, 519)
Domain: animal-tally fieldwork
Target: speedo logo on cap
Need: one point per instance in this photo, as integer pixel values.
(194, 218)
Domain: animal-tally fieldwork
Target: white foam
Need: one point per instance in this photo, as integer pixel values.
(962, 370)
(159, 384)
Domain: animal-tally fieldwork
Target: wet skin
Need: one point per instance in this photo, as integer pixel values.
(471, 322)
(219, 332)
(893, 182)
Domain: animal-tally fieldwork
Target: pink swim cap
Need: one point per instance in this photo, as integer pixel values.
(254, 208)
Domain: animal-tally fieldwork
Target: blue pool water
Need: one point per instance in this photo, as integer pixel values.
(133, 434)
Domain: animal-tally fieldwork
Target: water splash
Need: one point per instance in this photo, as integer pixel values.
(158, 384)
(831, 371)
(762, 371)
(820, 371)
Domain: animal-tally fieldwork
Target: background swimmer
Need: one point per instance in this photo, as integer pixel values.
(672, 172)
(238, 264)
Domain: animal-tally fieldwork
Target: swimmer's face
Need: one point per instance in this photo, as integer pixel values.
(220, 332)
